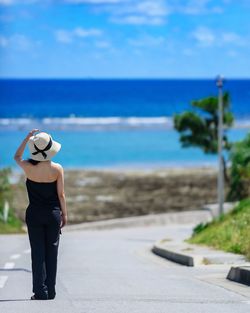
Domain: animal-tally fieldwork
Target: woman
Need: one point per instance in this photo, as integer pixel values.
(46, 213)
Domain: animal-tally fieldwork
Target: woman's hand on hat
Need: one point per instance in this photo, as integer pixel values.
(31, 133)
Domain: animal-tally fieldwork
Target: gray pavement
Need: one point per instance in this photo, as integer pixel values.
(106, 271)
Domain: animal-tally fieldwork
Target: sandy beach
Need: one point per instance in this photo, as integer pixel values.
(94, 195)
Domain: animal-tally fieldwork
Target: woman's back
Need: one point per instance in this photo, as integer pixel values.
(43, 172)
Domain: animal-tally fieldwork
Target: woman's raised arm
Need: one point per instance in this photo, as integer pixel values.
(19, 153)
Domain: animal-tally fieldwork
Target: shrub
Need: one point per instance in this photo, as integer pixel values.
(5, 188)
(240, 170)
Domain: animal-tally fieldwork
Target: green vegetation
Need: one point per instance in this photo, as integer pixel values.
(240, 170)
(199, 126)
(5, 188)
(229, 232)
(12, 224)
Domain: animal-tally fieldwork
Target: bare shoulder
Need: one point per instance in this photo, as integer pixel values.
(26, 163)
(58, 167)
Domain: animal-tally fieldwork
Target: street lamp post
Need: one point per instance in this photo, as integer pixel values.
(220, 185)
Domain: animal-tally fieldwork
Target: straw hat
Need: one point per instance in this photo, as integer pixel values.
(42, 147)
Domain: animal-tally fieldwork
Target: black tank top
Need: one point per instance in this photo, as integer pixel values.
(42, 195)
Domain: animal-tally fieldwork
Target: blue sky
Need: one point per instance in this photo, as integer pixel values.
(124, 38)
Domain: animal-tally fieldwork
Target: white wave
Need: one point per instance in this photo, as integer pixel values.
(15, 121)
(88, 122)
(131, 121)
(149, 121)
(73, 122)
(83, 121)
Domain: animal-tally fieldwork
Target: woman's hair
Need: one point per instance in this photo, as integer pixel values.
(33, 162)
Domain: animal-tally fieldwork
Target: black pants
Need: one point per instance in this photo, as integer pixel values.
(44, 232)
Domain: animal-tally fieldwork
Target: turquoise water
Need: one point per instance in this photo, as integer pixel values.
(116, 148)
(112, 123)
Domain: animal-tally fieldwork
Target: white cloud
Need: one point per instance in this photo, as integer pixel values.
(18, 42)
(138, 20)
(155, 12)
(9, 2)
(93, 1)
(233, 38)
(3, 41)
(6, 2)
(148, 7)
(204, 36)
(192, 6)
(14, 2)
(80, 32)
(66, 36)
(151, 8)
(208, 37)
(63, 36)
(135, 12)
(147, 41)
(102, 44)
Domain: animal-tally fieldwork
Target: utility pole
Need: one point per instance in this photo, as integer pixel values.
(220, 185)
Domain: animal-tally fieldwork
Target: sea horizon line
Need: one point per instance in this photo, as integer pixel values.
(227, 78)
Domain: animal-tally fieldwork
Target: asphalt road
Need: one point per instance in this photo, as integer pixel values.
(114, 271)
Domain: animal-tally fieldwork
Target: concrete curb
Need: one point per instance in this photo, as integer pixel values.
(194, 255)
(240, 274)
(187, 217)
(176, 256)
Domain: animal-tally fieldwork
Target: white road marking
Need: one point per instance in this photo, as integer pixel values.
(15, 256)
(3, 280)
(9, 265)
(26, 251)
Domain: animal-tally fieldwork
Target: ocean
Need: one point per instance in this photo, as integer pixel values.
(112, 123)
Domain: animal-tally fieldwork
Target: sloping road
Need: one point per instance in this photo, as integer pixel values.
(108, 271)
